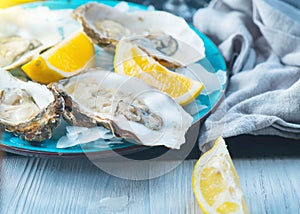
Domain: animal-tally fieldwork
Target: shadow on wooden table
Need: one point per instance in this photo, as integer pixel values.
(248, 146)
(243, 146)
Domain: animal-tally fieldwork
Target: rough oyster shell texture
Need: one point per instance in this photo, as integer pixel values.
(130, 108)
(23, 35)
(106, 25)
(28, 109)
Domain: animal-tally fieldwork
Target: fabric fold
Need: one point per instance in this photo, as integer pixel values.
(260, 41)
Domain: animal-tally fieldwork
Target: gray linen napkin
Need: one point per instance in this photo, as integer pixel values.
(260, 40)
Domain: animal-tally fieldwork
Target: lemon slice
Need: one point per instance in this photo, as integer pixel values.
(4, 4)
(132, 61)
(216, 183)
(67, 58)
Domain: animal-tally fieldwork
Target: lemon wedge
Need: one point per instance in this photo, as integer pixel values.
(4, 4)
(132, 61)
(67, 58)
(216, 184)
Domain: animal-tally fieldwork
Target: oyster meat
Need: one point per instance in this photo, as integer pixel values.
(106, 25)
(23, 35)
(28, 109)
(130, 108)
(165, 49)
(13, 47)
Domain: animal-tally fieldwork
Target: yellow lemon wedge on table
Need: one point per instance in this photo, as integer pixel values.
(67, 58)
(132, 61)
(216, 184)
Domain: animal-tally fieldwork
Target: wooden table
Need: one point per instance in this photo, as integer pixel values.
(58, 185)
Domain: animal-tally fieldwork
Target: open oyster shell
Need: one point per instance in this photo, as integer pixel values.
(106, 25)
(130, 108)
(28, 109)
(25, 32)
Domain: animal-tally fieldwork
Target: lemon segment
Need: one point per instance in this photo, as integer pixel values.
(132, 61)
(216, 184)
(4, 4)
(38, 70)
(67, 58)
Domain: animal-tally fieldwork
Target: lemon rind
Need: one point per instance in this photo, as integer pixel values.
(184, 99)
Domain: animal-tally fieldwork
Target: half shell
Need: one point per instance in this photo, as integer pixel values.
(28, 109)
(130, 108)
(106, 25)
(25, 32)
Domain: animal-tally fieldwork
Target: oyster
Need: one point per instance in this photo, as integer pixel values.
(165, 49)
(23, 35)
(28, 109)
(13, 47)
(106, 25)
(130, 108)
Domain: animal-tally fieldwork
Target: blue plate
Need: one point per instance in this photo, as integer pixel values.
(214, 65)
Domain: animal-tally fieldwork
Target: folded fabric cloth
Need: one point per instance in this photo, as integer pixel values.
(260, 41)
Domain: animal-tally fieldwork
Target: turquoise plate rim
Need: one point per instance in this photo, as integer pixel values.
(15, 145)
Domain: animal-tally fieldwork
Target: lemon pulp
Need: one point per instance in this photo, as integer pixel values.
(132, 61)
(216, 184)
(67, 58)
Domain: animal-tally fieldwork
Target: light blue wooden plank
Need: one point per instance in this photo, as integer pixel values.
(172, 193)
(270, 185)
(75, 186)
(31, 185)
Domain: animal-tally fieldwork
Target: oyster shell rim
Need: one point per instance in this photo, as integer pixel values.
(91, 120)
(191, 38)
(39, 127)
